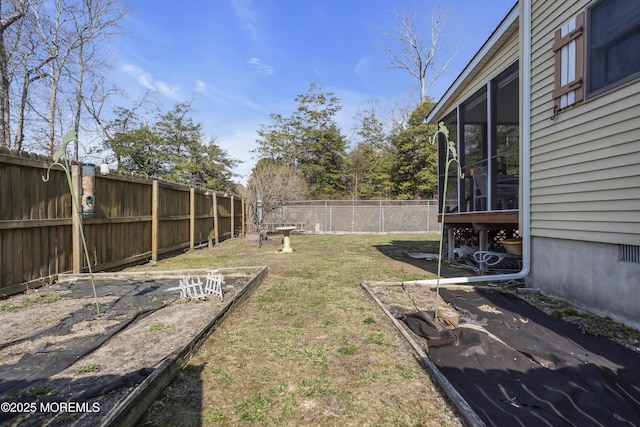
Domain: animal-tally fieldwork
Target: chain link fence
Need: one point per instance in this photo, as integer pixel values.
(356, 216)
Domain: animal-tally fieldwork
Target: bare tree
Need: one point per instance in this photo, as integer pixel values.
(270, 185)
(415, 54)
(71, 32)
(95, 103)
(95, 22)
(18, 11)
(399, 114)
(61, 45)
(54, 40)
(31, 70)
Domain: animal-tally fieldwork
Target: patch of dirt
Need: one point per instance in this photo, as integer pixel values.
(408, 298)
(47, 327)
(28, 313)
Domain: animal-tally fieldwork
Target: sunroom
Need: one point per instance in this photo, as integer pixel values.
(481, 203)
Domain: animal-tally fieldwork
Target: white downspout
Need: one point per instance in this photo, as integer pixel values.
(525, 209)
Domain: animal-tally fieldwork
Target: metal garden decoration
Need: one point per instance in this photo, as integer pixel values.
(60, 159)
(451, 156)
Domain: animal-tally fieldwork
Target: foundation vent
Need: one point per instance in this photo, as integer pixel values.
(630, 253)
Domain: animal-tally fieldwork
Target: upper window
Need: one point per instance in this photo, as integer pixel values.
(613, 53)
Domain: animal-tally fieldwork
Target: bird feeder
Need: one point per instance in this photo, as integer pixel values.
(88, 188)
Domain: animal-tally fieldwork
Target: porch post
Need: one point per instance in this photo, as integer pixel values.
(483, 233)
(451, 243)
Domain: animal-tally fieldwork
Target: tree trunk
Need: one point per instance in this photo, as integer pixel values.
(24, 99)
(76, 124)
(5, 124)
(5, 80)
(53, 96)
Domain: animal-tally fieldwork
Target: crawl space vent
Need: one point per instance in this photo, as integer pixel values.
(630, 253)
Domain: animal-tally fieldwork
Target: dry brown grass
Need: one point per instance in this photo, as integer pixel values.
(309, 346)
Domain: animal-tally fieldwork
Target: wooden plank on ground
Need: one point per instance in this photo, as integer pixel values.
(468, 414)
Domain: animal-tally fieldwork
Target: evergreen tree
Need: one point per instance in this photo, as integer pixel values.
(133, 146)
(173, 149)
(310, 141)
(137, 151)
(371, 160)
(415, 171)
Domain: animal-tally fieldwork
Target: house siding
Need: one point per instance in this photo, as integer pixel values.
(584, 182)
(584, 178)
(585, 164)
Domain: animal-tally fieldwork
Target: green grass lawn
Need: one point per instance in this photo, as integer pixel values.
(309, 346)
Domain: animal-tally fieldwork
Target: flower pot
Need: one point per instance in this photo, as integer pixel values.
(513, 246)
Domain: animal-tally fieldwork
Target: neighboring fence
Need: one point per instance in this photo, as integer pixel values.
(358, 216)
(135, 219)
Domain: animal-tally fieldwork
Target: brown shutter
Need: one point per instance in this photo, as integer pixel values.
(577, 84)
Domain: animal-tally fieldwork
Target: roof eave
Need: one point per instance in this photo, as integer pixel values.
(505, 25)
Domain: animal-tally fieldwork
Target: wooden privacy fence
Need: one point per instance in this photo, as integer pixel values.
(136, 218)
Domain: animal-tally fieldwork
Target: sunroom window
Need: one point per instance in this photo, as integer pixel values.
(451, 194)
(613, 40)
(474, 155)
(486, 128)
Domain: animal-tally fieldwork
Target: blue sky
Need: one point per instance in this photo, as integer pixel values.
(240, 60)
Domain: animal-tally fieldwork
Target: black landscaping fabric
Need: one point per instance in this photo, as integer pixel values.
(517, 366)
(137, 299)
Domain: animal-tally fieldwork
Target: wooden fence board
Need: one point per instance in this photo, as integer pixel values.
(26, 252)
(18, 266)
(36, 230)
(7, 259)
(2, 269)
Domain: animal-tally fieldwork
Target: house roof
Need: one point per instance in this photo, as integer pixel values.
(505, 28)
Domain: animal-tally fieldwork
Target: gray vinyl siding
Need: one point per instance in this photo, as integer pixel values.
(585, 164)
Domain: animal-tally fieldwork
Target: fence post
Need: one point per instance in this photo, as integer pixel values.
(215, 218)
(233, 217)
(353, 214)
(244, 216)
(330, 218)
(76, 219)
(325, 216)
(154, 220)
(192, 217)
(211, 213)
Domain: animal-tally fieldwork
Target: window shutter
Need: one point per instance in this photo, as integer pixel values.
(568, 48)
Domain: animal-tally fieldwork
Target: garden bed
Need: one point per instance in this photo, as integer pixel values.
(503, 361)
(63, 363)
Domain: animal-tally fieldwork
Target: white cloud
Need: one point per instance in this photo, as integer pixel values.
(362, 66)
(227, 98)
(259, 66)
(145, 79)
(245, 11)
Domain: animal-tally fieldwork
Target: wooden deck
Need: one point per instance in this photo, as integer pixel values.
(482, 222)
(488, 219)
